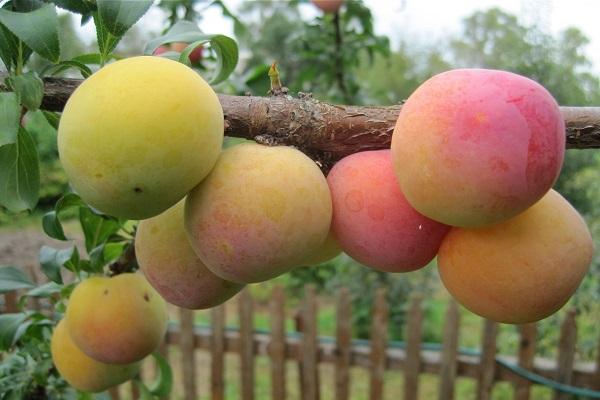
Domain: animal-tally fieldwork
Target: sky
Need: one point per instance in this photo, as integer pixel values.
(427, 20)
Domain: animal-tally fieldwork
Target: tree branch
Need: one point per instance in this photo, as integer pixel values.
(324, 131)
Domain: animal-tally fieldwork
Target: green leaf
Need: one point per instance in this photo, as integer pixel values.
(46, 290)
(9, 117)
(19, 173)
(9, 48)
(52, 260)
(145, 393)
(9, 324)
(51, 222)
(96, 228)
(27, 5)
(182, 31)
(38, 29)
(30, 89)
(225, 48)
(12, 278)
(106, 41)
(112, 251)
(119, 15)
(90, 58)
(52, 118)
(161, 387)
(62, 66)
(77, 6)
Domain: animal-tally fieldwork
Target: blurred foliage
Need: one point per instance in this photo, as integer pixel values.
(320, 55)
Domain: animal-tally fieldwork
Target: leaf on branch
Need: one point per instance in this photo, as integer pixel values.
(9, 324)
(106, 41)
(9, 48)
(27, 5)
(225, 47)
(96, 228)
(46, 290)
(38, 29)
(119, 15)
(29, 88)
(52, 260)
(161, 387)
(76, 6)
(9, 118)
(68, 64)
(51, 222)
(12, 278)
(19, 173)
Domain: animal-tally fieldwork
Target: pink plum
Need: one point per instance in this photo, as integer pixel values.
(373, 222)
(474, 147)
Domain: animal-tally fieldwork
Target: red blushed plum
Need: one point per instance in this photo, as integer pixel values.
(171, 266)
(474, 147)
(373, 222)
(259, 213)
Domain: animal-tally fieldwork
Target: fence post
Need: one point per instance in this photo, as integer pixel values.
(217, 353)
(10, 302)
(34, 302)
(527, 340)
(309, 367)
(449, 352)
(188, 362)
(412, 366)
(488, 360)
(246, 344)
(277, 344)
(135, 390)
(114, 393)
(566, 353)
(343, 342)
(379, 334)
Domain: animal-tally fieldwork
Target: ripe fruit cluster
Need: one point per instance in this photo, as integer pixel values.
(468, 178)
(110, 325)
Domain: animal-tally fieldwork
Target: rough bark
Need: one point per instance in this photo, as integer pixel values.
(326, 132)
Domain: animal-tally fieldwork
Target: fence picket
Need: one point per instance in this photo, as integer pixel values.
(246, 345)
(277, 344)
(188, 362)
(449, 352)
(10, 302)
(343, 345)
(566, 353)
(114, 393)
(309, 371)
(135, 390)
(412, 365)
(528, 336)
(217, 353)
(485, 383)
(379, 333)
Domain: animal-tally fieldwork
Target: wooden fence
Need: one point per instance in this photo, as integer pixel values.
(411, 359)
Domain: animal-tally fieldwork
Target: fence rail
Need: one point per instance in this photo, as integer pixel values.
(377, 355)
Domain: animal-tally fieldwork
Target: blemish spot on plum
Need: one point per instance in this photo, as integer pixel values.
(98, 175)
(137, 189)
(146, 297)
(105, 292)
(354, 200)
(375, 213)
